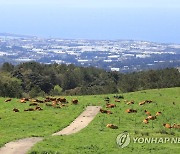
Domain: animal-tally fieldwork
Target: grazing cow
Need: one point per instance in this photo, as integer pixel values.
(148, 101)
(62, 100)
(109, 112)
(151, 117)
(102, 111)
(16, 110)
(146, 121)
(53, 99)
(38, 108)
(75, 101)
(167, 125)
(47, 99)
(128, 110)
(111, 126)
(25, 99)
(8, 100)
(131, 111)
(142, 103)
(131, 102)
(107, 99)
(39, 101)
(118, 97)
(117, 100)
(158, 113)
(147, 112)
(105, 111)
(30, 109)
(54, 103)
(34, 100)
(110, 105)
(177, 126)
(63, 105)
(22, 101)
(33, 104)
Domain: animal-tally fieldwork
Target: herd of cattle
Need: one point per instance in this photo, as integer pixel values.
(49, 101)
(149, 116)
(61, 102)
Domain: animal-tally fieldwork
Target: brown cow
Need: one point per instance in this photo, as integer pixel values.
(147, 112)
(38, 108)
(151, 117)
(16, 110)
(8, 100)
(30, 109)
(146, 121)
(47, 99)
(25, 99)
(105, 111)
(148, 101)
(142, 103)
(131, 111)
(102, 111)
(177, 126)
(22, 101)
(39, 101)
(167, 125)
(34, 100)
(110, 105)
(158, 113)
(63, 105)
(109, 112)
(62, 100)
(111, 126)
(54, 103)
(33, 104)
(52, 99)
(75, 101)
(117, 100)
(131, 102)
(58, 107)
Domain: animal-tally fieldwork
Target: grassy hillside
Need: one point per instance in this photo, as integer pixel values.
(33, 123)
(95, 138)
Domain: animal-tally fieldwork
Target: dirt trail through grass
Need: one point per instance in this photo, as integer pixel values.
(81, 121)
(22, 146)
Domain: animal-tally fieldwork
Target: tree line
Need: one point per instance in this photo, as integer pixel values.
(33, 79)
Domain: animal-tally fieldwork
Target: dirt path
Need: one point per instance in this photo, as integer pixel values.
(22, 146)
(81, 121)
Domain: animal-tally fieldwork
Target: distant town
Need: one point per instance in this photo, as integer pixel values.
(111, 55)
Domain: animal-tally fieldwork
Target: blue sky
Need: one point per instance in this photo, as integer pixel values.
(98, 3)
(153, 20)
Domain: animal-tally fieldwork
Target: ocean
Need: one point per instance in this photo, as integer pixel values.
(149, 24)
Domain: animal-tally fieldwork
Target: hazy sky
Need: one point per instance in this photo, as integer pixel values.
(98, 3)
(154, 20)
